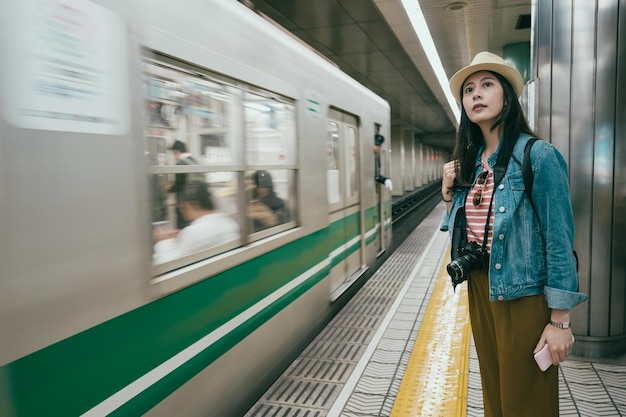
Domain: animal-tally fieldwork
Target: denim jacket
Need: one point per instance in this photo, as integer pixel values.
(529, 255)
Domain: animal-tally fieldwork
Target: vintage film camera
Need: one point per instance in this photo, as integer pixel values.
(471, 257)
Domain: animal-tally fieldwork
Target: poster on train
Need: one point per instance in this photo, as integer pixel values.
(65, 66)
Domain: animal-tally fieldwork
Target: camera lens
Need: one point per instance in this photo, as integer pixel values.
(454, 270)
(459, 268)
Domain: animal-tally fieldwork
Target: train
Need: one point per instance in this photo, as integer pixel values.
(100, 102)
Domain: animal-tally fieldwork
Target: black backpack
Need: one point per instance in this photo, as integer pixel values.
(527, 174)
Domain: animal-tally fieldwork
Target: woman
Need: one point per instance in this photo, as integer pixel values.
(265, 208)
(522, 272)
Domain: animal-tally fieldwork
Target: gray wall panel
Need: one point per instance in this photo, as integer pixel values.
(581, 102)
(618, 284)
(580, 161)
(544, 66)
(604, 135)
(561, 68)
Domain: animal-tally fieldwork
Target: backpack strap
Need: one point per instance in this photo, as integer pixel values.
(527, 173)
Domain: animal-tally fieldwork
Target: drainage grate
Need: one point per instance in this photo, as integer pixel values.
(330, 370)
(272, 410)
(334, 350)
(302, 392)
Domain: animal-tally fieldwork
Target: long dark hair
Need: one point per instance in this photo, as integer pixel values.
(469, 137)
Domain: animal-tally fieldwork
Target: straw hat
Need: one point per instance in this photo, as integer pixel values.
(486, 61)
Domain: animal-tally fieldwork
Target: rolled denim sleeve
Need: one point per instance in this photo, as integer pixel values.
(445, 220)
(552, 201)
(563, 299)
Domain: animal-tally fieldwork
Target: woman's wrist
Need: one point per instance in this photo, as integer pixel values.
(561, 324)
(559, 316)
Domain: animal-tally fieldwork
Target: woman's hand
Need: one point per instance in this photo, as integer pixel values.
(559, 342)
(449, 174)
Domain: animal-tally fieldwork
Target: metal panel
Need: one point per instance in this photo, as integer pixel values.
(543, 53)
(603, 151)
(581, 158)
(561, 66)
(604, 119)
(618, 284)
(578, 63)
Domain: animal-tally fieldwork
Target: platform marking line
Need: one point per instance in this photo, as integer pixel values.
(355, 377)
(436, 379)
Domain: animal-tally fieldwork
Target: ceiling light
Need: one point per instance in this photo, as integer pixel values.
(418, 21)
(459, 5)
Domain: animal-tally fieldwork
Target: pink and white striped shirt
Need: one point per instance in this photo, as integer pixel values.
(477, 215)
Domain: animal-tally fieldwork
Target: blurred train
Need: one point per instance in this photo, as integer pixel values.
(94, 319)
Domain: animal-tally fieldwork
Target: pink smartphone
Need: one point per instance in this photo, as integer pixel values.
(543, 358)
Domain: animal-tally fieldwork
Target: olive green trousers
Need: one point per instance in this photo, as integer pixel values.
(505, 334)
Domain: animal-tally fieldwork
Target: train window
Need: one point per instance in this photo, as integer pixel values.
(270, 144)
(270, 130)
(333, 163)
(210, 209)
(189, 125)
(351, 162)
(222, 162)
(342, 160)
(269, 201)
(197, 112)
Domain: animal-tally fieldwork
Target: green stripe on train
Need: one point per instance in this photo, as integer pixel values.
(72, 376)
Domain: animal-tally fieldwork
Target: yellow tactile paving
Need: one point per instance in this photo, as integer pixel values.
(436, 378)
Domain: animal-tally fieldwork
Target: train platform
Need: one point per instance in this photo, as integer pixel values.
(402, 346)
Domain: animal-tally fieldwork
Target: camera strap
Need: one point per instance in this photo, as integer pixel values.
(499, 170)
(486, 236)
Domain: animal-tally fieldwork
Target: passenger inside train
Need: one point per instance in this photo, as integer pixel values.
(266, 209)
(179, 149)
(207, 227)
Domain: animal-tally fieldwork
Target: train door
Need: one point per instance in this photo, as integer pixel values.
(344, 199)
(379, 213)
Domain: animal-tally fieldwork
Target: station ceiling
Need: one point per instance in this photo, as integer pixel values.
(373, 41)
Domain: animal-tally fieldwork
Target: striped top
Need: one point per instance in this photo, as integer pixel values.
(477, 215)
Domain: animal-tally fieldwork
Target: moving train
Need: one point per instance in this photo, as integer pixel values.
(103, 309)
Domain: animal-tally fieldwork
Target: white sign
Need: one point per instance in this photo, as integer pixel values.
(65, 66)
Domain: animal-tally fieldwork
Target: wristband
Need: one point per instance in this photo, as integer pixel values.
(446, 201)
(561, 324)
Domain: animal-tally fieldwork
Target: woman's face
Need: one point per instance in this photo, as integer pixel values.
(483, 98)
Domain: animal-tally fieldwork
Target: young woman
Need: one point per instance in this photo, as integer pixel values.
(519, 261)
